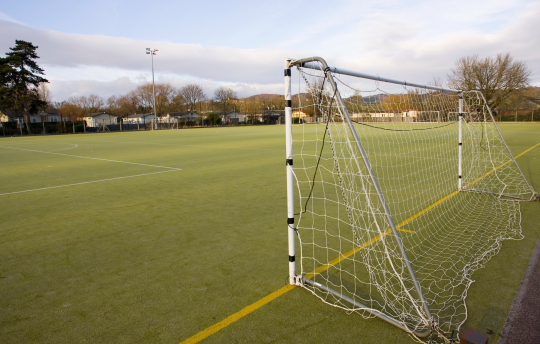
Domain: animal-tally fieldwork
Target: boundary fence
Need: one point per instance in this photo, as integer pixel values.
(51, 128)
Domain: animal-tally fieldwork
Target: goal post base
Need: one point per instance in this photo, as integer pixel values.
(534, 197)
(359, 306)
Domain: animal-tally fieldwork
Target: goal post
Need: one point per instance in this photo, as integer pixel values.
(374, 211)
(290, 175)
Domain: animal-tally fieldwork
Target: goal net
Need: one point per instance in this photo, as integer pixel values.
(397, 194)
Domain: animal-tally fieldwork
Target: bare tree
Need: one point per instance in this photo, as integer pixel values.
(44, 93)
(94, 103)
(318, 90)
(72, 111)
(497, 78)
(112, 106)
(144, 96)
(164, 96)
(90, 104)
(192, 94)
(225, 95)
(127, 104)
(178, 102)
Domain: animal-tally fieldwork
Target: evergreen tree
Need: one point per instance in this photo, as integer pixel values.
(20, 77)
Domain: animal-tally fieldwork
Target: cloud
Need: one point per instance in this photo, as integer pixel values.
(408, 40)
(408, 50)
(6, 17)
(63, 89)
(79, 64)
(76, 50)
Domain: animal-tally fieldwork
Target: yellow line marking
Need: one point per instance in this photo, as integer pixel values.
(528, 150)
(236, 316)
(422, 212)
(445, 198)
(254, 306)
(501, 166)
(404, 230)
(344, 256)
(265, 300)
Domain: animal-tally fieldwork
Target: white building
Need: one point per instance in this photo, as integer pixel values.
(233, 117)
(98, 119)
(168, 118)
(139, 118)
(186, 116)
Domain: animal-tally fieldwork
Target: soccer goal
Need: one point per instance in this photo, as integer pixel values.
(397, 192)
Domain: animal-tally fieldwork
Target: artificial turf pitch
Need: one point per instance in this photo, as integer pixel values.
(191, 230)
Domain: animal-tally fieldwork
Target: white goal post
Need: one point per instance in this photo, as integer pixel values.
(396, 193)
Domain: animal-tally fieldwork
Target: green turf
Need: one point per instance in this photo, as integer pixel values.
(160, 257)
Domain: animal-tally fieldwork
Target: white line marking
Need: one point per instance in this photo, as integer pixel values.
(74, 146)
(93, 181)
(86, 157)
(203, 146)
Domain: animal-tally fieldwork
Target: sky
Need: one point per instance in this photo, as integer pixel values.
(98, 47)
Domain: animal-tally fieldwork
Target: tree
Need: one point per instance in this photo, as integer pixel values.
(72, 111)
(7, 74)
(44, 93)
(113, 106)
(178, 102)
(318, 91)
(225, 95)
(396, 103)
(192, 95)
(164, 96)
(94, 103)
(91, 104)
(213, 118)
(497, 78)
(20, 77)
(127, 105)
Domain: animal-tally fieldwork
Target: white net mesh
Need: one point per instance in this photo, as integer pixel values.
(410, 137)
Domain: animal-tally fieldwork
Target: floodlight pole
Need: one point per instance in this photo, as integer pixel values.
(152, 52)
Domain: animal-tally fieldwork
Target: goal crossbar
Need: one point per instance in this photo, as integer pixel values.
(308, 63)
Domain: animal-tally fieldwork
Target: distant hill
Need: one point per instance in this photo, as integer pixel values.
(265, 96)
(271, 95)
